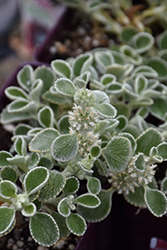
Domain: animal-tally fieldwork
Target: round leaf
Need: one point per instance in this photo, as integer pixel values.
(106, 110)
(65, 147)
(63, 207)
(29, 210)
(88, 200)
(93, 185)
(72, 185)
(47, 135)
(76, 224)
(65, 86)
(9, 173)
(156, 201)
(8, 189)
(7, 220)
(117, 153)
(46, 117)
(44, 229)
(53, 187)
(35, 179)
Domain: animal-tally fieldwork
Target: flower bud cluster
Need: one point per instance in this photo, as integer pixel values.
(84, 97)
(83, 121)
(126, 181)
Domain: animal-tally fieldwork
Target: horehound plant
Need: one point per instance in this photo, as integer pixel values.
(86, 120)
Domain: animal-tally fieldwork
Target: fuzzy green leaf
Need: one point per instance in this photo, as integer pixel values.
(20, 146)
(82, 63)
(94, 185)
(136, 198)
(8, 189)
(101, 97)
(53, 187)
(44, 229)
(99, 213)
(160, 66)
(140, 162)
(63, 207)
(9, 173)
(63, 124)
(14, 93)
(72, 185)
(4, 155)
(7, 220)
(46, 75)
(35, 179)
(29, 210)
(148, 139)
(62, 68)
(34, 160)
(25, 77)
(65, 86)
(106, 110)
(95, 151)
(142, 42)
(65, 147)
(117, 153)
(162, 150)
(46, 117)
(35, 93)
(76, 224)
(88, 200)
(7, 117)
(159, 108)
(21, 106)
(47, 135)
(156, 201)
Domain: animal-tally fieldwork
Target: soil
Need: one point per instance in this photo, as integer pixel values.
(84, 36)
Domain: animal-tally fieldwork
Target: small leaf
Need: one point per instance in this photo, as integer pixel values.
(156, 201)
(20, 146)
(148, 139)
(159, 108)
(34, 160)
(72, 185)
(4, 155)
(76, 224)
(14, 93)
(21, 106)
(65, 86)
(46, 75)
(53, 187)
(160, 66)
(7, 117)
(7, 220)
(63, 207)
(131, 139)
(162, 150)
(103, 59)
(25, 77)
(95, 151)
(144, 70)
(8, 189)
(62, 68)
(94, 185)
(117, 153)
(65, 147)
(63, 124)
(29, 210)
(35, 93)
(99, 213)
(140, 162)
(106, 110)
(136, 198)
(127, 33)
(82, 63)
(21, 129)
(46, 117)
(35, 179)
(142, 42)
(162, 40)
(55, 98)
(101, 97)
(48, 135)
(87, 200)
(9, 173)
(44, 229)
(140, 84)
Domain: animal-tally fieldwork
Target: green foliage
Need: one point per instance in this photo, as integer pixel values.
(99, 117)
